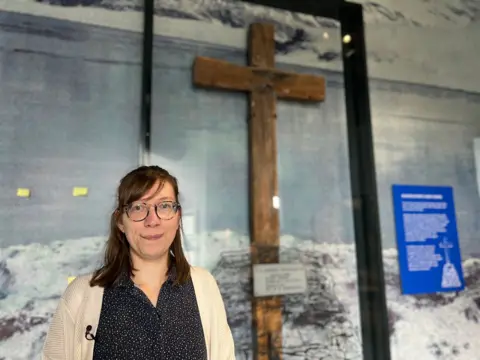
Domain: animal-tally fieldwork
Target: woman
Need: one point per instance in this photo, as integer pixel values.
(146, 301)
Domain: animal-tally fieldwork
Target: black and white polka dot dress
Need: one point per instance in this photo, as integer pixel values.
(131, 328)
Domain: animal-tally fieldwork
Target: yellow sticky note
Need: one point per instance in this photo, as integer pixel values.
(80, 191)
(23, 192)
(70, 279)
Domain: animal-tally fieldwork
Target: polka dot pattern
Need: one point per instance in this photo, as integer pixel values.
(131, 328)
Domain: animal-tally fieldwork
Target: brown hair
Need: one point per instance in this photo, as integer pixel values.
(117, 259)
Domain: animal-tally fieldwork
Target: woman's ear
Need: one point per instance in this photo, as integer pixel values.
(179, 225)
(120, 225)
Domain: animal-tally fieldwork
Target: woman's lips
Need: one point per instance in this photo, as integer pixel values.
(153, 237)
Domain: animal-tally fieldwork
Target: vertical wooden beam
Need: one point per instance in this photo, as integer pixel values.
(265, 231)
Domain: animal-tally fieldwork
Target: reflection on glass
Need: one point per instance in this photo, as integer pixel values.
(317, 226)
(201, 137)
(425, 136)
(69, 126)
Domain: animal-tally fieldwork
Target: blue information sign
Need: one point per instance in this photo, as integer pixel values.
(427, 239)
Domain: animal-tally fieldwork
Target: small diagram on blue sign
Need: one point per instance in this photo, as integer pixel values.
(428, 246)
(450, 278)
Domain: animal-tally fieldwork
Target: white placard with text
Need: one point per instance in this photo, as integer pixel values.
(279, 279)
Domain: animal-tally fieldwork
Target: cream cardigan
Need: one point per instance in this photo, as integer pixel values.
(80, 306)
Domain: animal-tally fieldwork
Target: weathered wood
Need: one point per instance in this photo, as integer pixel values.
(213, 73)
(263, 83)
(265, 222)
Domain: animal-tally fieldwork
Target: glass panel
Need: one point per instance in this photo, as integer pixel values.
(201, 136)
(316, 215)
(427, 136)
(69, 117)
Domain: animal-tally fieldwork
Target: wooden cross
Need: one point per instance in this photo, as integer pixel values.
(264, 83)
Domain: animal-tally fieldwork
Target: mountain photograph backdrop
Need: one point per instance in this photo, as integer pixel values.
(70, 103)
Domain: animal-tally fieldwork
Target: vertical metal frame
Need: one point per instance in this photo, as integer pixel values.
(147, 72)
(371, 282)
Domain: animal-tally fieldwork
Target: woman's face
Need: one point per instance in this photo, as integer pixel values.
(150, 238)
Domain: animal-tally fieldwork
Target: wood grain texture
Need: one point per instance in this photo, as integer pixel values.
(261, 45)
(264, 84)
(213, 73)
(265, 223)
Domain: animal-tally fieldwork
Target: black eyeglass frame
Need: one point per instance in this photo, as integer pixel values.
(175, 205)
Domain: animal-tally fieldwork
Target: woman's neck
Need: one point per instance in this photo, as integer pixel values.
(150, 273)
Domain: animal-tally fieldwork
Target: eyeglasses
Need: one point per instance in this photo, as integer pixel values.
(139, 211)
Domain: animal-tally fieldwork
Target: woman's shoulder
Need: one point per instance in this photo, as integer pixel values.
(200, 272)
(202, 276)
(76, 290)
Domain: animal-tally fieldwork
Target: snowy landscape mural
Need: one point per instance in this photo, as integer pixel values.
(322, 324)
(76, 67)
